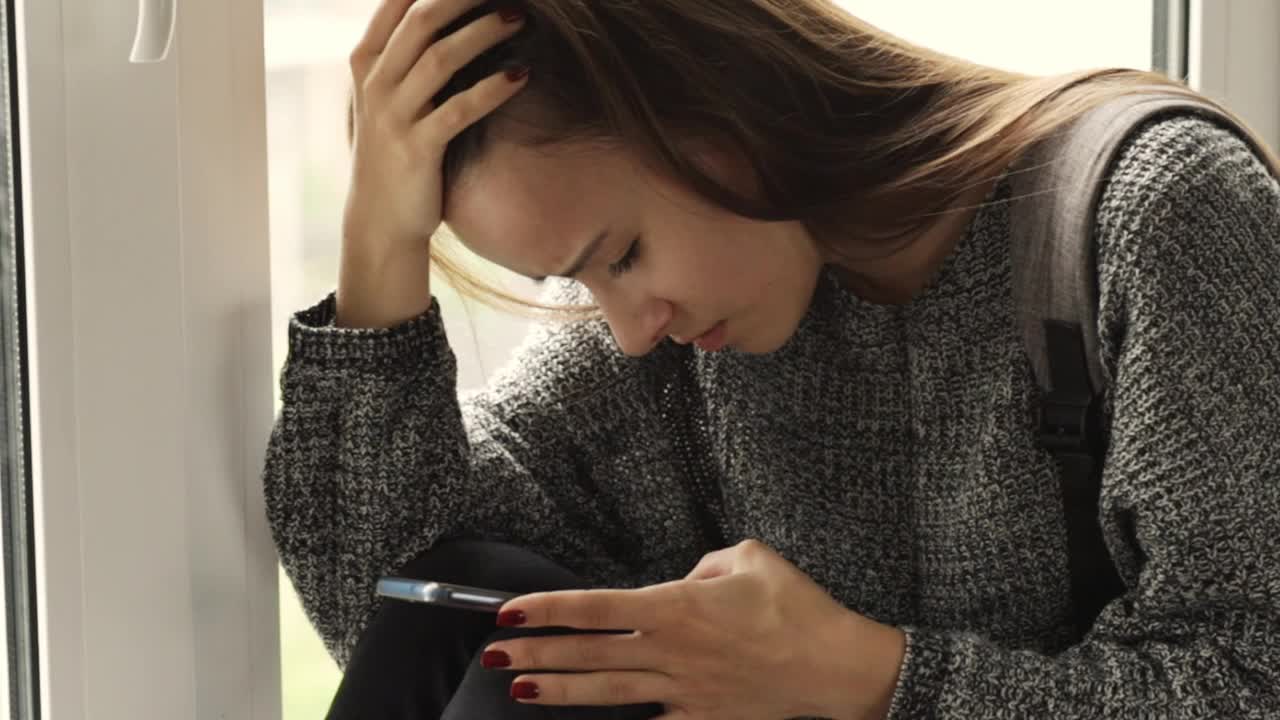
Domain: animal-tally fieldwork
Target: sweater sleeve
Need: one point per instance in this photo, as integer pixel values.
(374, 456)
(1189, 261)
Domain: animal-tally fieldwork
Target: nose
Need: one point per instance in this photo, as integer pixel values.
(638, 325)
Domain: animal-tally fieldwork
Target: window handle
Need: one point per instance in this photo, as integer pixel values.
(155, 31)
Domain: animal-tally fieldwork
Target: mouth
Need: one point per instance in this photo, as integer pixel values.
(709, 341)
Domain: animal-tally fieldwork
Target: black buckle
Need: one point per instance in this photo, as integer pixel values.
(1066, 423)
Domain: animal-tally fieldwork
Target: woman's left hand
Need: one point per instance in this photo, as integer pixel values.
(746, 635)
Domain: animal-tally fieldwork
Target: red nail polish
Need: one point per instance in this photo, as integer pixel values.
(510, 12)
(507, 618)
(494, 659)
(516, 74)
(524, 690)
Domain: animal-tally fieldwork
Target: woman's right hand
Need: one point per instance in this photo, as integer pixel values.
(394, 201)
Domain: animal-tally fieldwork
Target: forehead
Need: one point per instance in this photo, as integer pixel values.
(532, 209)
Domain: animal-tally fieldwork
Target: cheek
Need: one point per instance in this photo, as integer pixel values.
(751, 255)
(690, 272)
(710, 278)
(724, 261)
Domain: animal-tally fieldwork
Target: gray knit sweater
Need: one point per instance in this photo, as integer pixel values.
(887, 451)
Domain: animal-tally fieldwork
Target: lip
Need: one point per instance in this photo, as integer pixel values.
(714, 339)
(685, 340)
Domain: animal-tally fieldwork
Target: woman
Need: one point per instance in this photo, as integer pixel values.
(794, 450)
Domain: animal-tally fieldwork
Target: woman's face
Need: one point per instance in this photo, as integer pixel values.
(669, 263)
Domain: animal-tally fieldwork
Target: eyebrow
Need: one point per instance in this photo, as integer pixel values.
(583, 258)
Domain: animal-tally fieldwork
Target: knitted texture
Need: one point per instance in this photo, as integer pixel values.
(888, 451)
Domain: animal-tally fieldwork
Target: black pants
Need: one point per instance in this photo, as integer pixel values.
(418, 661)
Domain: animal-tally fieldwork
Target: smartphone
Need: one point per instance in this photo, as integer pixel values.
(440, 593)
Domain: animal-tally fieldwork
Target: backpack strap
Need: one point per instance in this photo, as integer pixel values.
(1056, 188)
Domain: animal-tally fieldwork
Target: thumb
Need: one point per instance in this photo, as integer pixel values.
(713, 565)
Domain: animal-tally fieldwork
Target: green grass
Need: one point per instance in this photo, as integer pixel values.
(308, 676)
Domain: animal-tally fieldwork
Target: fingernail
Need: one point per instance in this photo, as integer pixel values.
(510, 12)
(507, 618)
(494, 659)
(517, 73)
(524, 690)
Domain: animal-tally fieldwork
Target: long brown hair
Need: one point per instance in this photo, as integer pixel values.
(852, 131)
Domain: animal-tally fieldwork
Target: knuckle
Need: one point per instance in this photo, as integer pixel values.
(435, 61)
(450, 116)
(528, 655)
(368, 85)
(682, 599)
(597, 615)
(376, 122)
(359, 58)
(618, 689)
(695, 684)
(557, 693)
(551, 614)
(423, 13)
(587, 653)
(675, 604)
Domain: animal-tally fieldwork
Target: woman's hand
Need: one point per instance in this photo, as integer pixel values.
(395, 199)
(746, 635)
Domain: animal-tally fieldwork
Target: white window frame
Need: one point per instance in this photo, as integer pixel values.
(1235, 59)
(145, 194)
(150, 336)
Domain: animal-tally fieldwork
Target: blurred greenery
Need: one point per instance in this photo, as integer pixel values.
(310, 677)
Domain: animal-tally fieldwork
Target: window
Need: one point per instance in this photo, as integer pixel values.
(1032, 37)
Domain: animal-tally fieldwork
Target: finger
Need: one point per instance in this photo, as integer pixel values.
(630, 651)
(460, 111)
(593, 688)
(592, 609)
(384, 21)
(412, 37)
(445, 57)
(351, 118)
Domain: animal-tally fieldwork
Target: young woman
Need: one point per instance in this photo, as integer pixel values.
(786, 465)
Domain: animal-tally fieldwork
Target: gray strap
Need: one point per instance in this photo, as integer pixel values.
(1056, 187)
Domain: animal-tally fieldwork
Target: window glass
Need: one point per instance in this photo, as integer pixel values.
(1032, 37)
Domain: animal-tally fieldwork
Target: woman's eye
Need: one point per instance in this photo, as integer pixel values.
(624, 264)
